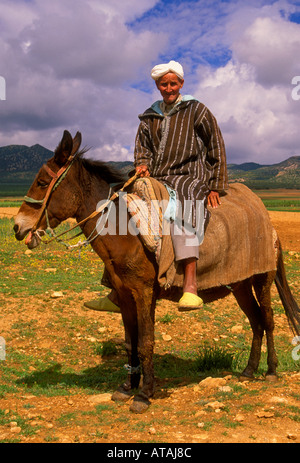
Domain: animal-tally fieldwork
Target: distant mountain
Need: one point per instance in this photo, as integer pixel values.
(123, 166)
(285, 174)
(246, 166)
(20, 158)
(19, 165)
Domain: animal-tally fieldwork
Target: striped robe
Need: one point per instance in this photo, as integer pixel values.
(184, 150)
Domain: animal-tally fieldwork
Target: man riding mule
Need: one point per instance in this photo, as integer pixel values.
(240, 259)
(179, 143)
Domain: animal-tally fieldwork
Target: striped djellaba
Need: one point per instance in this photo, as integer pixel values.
(184, 149)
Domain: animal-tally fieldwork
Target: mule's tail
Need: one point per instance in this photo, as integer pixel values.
(289, 303)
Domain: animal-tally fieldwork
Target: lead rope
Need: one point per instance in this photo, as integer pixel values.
(80, 244)
(90, 239)
(97, 211)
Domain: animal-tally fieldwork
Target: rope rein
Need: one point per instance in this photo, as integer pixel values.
(80, 243)
(57, 178)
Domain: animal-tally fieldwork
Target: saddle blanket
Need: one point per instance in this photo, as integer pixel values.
(239, 240)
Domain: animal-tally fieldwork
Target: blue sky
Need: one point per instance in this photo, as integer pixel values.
(86, 66)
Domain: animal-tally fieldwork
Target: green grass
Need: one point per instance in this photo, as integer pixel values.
(280, 200)
(167, 318)
(14, 190)
(10, 203)
(106, 349)
(45, 269)
(213, 358)
(52, 379)
(284, 205)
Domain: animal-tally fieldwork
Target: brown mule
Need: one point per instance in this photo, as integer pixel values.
(132, 269)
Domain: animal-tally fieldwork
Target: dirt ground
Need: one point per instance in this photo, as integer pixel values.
(221, 410)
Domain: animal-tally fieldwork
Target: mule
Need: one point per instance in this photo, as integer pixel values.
(69, 185)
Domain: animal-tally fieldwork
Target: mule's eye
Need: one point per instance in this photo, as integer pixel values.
(42, 183)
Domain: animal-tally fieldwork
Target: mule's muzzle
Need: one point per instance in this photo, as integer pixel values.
(19, 233)
(32, 240)
(16, 229)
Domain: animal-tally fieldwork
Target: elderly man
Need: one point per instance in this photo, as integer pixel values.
(179, 143)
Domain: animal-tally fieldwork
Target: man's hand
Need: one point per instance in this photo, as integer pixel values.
(142, 171)
(213, 199)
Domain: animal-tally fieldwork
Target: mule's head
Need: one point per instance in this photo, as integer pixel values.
(48, 195)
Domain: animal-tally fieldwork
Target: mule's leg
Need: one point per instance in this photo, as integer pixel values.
(125, 391)
(247, 302)
(262, 286)
(145, 314)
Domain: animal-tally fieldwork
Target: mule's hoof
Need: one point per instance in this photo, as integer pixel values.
(121, 395)
(244, 378)
(139, 405)
(272, 378)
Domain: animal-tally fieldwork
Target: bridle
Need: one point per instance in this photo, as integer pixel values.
(57, 178)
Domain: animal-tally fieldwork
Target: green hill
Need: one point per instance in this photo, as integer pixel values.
(19, 165)
(285, 174)
(20, 158)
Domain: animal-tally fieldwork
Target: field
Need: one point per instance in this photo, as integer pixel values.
(280, 200)
(63, 361)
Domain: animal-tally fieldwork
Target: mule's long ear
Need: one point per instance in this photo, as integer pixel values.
(76, 143)
(64, 149)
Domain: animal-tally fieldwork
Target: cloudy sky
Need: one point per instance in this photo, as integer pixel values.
(85, 65)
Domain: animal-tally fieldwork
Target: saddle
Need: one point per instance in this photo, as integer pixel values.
(239, 240)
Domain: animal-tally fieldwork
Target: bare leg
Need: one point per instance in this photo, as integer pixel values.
(190, 299)
(190, 278)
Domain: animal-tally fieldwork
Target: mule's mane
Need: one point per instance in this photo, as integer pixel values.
(101, 169)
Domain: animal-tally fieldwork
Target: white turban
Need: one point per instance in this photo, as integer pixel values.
(162, 69)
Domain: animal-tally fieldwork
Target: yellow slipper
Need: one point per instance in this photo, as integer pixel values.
(189, 301)
(103, 305)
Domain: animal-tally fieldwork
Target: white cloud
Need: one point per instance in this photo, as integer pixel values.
(271, 46)
(14, 17)
(77, 65)
(82, 43)
(68, 65)
(251, 95)
(128, 10)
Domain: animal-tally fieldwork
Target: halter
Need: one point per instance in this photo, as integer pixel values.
(57, 178)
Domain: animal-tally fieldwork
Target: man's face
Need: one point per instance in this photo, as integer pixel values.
(169, 86)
